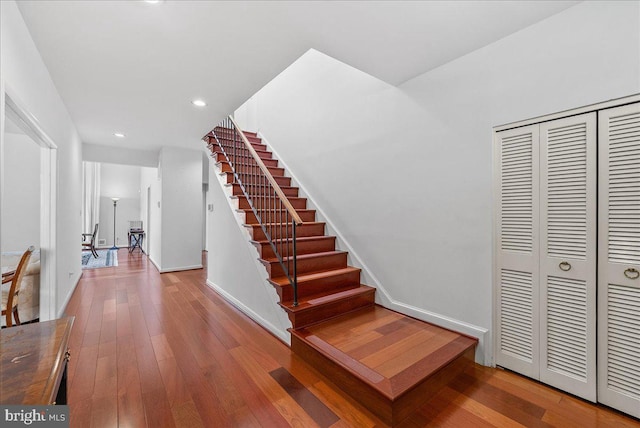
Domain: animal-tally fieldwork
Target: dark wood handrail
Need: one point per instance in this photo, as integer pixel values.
(285, 201)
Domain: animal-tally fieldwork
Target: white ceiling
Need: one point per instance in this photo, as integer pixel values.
(133, 67)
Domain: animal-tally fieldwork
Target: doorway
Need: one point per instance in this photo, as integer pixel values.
(28, 178)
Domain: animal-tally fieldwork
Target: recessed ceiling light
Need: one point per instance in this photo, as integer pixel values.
(119, 134)
(152, 1)
(198, 103)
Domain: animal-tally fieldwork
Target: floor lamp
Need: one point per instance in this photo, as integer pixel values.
(115, 202)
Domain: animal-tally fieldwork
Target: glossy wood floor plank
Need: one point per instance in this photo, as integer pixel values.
(151, 350)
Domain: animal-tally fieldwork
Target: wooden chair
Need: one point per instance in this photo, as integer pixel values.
(10, 298)
(91, 244)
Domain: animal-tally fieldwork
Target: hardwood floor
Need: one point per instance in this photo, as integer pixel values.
(165, 350)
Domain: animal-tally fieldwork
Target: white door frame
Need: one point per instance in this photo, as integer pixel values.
(12, 107)
(148, 221)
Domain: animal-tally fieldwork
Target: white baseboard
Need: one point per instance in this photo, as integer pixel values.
(153, 262)
(173, 269)
(383, 297)
(178, 269)
(482, 356)
(283, 336)
(63, 308)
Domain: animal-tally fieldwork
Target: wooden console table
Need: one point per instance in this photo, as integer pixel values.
(33, 364)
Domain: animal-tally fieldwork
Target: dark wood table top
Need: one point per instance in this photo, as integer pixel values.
(32, 361)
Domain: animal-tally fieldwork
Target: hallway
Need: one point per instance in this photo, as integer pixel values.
(165, 350)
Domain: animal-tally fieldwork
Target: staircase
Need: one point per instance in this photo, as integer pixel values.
(387, 361)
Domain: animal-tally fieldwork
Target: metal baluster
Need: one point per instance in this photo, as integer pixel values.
(279, 216)
(268, 207)
(263, 216)
(286, 218)
(295, 265)
(260, 206)
(267, 222)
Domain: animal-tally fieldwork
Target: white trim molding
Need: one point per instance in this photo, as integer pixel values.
(63, 307)
(154, 263)
(178, 269)
(616, 102)
(279, 333)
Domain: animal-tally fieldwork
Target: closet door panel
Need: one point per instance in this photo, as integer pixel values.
(568, 254)
(619, 259)
(517, 250)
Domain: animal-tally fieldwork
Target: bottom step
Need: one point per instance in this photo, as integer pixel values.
(387, 361)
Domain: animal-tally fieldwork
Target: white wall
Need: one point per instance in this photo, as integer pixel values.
(124, 182)
(233, 268)
(122, 156)
(21, 196)
(206, 165)
(152, 219)
(24, 74)
(404, 174)
(181, 206)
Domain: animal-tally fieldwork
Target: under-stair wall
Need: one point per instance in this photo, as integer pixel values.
(233, 267)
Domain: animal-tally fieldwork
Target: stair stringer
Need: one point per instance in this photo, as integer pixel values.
(383, 297)
(279, 328)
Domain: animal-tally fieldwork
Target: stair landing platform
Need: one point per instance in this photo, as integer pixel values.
(389, 362)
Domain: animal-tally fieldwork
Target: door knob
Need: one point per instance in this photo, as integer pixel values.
(565, 266)
(631, 273)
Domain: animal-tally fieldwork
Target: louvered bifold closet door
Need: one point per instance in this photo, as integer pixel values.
(568, 208)
(619, 259)
(517, 210)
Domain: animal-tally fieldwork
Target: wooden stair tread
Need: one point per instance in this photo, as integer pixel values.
(284, 281)
(267, 186)
(273, 169)
(229, 130)
(251, 138)
(389, 362)
(308, 223)
(305, 256)
(258, 151)
(392, 364)
(248, 164)
(288, 197)
(262, 154)
(249, 210)
(310, 302)
(431, 351)
(230, 173)
(251, 217)
(298, 239)
(255, 144)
